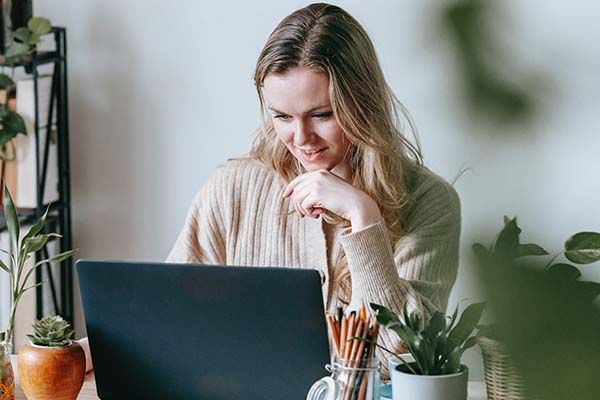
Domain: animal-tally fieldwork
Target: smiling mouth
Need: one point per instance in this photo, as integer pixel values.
(311, 155)
(311, 151)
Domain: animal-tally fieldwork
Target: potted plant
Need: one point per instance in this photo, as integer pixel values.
(503, 380)
(437, 346)
(21, 43)
(52, 365)
(22, 247)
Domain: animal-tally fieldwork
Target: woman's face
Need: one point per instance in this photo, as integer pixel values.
(298, 102)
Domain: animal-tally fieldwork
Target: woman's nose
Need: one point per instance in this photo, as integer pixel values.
(303, 133)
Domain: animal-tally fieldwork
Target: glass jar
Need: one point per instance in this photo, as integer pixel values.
(7, 375)
(349, 380)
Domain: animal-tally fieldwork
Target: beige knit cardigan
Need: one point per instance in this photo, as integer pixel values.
(240, 218)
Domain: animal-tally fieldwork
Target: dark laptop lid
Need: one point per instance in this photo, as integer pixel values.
(178, 331)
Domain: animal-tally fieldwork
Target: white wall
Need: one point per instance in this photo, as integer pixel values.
(161, 92)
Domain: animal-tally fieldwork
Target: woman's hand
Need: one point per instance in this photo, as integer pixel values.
(314, 192)
(84, 343)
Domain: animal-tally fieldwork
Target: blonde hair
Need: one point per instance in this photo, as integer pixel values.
(327, 39)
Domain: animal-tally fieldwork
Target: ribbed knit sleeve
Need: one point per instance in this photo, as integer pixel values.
(201, 239)
(420, 269)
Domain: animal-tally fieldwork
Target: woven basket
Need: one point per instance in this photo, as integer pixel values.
(501, 379)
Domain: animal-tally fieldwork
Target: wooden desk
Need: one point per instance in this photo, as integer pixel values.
(88, 391)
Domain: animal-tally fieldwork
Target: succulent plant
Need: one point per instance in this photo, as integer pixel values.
(51, 332)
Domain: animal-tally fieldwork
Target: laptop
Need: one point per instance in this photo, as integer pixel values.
(183, 331)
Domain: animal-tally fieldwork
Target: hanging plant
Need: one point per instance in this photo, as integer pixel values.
(24, 40)
(11, 123)
(21, 43)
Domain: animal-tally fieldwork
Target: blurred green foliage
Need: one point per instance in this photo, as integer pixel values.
(494, 88)
(543, 313)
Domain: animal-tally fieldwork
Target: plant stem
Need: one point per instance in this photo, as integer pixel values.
(11, 322)
(392, 353)
(15, 280)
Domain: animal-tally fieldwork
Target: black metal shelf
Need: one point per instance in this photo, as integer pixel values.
(59, 217)
(29, 216)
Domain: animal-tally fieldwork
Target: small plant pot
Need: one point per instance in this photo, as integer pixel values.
(406, 385)
(55, 373)
(394, 361)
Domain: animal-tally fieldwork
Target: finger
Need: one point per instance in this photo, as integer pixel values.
(298, 209)
(292, 185)
(299, 196)
(308, 205)
(316, 212)
(303, 188)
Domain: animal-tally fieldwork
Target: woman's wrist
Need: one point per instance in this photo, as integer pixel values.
(367, 214)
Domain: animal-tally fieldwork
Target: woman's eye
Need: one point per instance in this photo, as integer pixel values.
(322, 115)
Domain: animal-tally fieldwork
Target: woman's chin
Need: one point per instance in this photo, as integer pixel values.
(312, 167)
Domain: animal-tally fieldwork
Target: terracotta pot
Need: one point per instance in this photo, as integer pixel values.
(51, 373)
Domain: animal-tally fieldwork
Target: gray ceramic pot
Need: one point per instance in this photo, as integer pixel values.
(423, 387)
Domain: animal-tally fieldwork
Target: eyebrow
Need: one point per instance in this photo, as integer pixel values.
(309, 111)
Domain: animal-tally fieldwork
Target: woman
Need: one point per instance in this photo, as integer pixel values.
(364, 210)
(330, 183)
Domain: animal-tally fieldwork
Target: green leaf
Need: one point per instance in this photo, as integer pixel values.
(507, 244)
(12, 219)
(531, 249)
(5, 267)
(436, 326)
(452, 365)
(465, 326)
(21, 35)
(22, 292)
(14, 122)
(12, 258)
(6, 136)
(414, 321)
(583, 248)
(385, 316)
(11, 58)
(34, 40)
(28, 275)
(58, 258)
(39, 25)
(414, 343)
(452, 319)
(470, 342)
(36, 243)
(6, 81)
(564, 272)
(33, 286)
(37, 227)
(15, 51)
(481, 252)
(591, 290)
